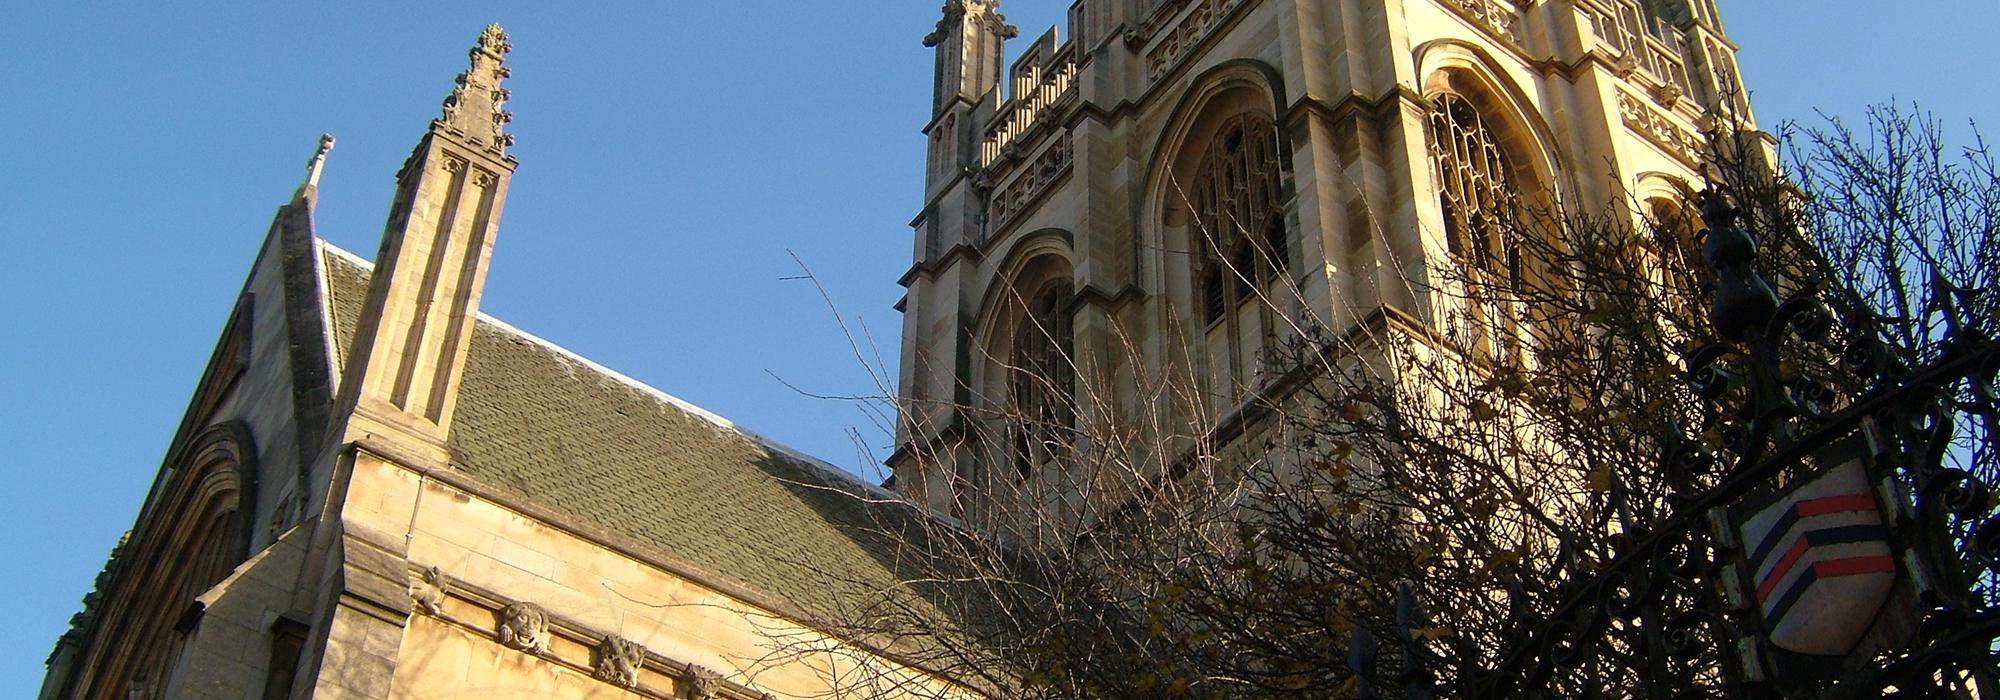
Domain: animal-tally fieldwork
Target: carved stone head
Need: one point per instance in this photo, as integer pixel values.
(701, 684)
(523, 626)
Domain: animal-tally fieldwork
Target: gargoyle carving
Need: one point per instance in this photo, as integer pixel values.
(702, 684)
(428, 591)
(617, 660)
(524, 626)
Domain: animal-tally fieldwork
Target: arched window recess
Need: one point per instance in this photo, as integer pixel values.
(1675, 253)
(1041, 379)
(1493, 209)
(1236, 229)
(194, 531)
(1237, 223)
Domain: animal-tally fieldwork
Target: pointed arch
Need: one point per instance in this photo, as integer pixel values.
(1662, 200)
(1495, 172)
(1025, 374)
(1462, 68)
(1653, 184)
(1016, 258)
(1217, 187)
(1667, 236)
(1232, 86)
(193, 532)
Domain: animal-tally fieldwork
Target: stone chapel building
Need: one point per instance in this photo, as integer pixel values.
(379, 492)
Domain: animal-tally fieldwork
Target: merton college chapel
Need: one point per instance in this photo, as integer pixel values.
(378, 491)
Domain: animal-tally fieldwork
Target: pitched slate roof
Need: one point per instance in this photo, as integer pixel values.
(564, 434)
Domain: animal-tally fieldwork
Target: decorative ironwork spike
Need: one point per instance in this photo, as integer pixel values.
(1744, 302)
(1361, 660)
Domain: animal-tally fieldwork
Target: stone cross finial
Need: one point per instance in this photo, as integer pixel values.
(318, 161)
(474, 108)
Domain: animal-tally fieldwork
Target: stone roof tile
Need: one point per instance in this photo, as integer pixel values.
(562, 433)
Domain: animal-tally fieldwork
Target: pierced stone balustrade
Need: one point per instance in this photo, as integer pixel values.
(1643, 45)
(1037, 87)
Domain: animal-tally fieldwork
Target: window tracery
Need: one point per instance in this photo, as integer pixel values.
(1237, 225)
(1492, 208)
(1677, 256)
(1041, 380)
(1236, 215)
(1475, 184)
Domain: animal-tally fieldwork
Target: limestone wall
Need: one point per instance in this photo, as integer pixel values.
(521, 607)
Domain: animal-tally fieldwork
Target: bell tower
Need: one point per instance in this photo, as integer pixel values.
(1184, 184)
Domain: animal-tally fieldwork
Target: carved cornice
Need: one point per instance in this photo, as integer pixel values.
(1175, 36)
(607, 657)
(1500, 18)
(1147, 29)
(1015, 196)
(1660, 129)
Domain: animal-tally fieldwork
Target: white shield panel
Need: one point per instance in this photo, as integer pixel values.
(1821, 561)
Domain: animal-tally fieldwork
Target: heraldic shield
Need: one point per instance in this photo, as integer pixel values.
(1820, 561)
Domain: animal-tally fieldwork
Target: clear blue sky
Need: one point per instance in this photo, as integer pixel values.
(671, 155)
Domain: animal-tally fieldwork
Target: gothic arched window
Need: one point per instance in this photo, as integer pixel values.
(196, 531)
(1041, 380)
(1476, 192)
(1678, 260)
(1238, 226)
(1492, 209)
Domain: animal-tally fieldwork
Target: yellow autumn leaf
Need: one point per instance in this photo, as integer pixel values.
(1432, 633)
(1354, 411)
(1423, 554)
(1712, 438)
(1483, 412)
(1600, 479)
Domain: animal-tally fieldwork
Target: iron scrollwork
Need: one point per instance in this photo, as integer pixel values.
(1815, 474)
